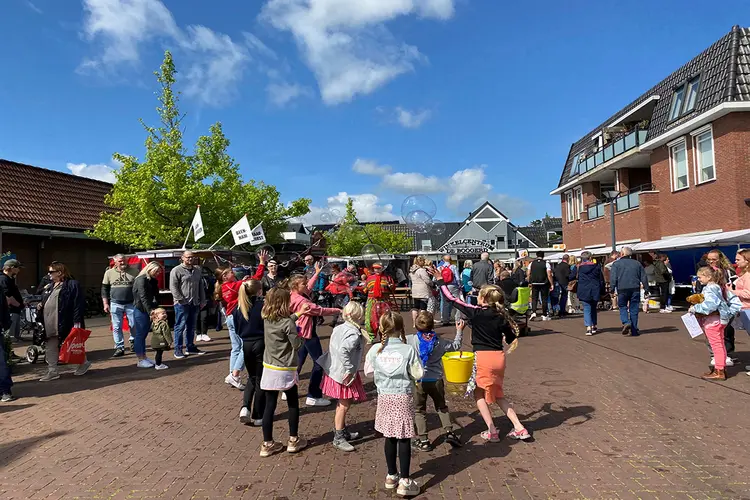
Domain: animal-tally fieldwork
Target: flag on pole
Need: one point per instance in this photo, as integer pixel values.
(197, 224)
(241, 231)
(258, 237)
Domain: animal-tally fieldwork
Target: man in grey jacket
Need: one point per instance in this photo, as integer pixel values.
(189, 297)
(482, 272)
(625, 279)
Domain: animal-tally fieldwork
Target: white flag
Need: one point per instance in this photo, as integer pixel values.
(258, 236)
(198, 232)
(241, 231)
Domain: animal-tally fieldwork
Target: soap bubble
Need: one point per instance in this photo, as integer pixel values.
(438, 227)
(418, 203)
(374, 254)
(268, 249)
(418, 220)
(326, 217)
(335, 214)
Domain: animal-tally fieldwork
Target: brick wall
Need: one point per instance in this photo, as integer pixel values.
(718, 204)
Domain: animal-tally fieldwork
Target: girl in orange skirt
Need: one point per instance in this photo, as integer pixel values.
(490, 326)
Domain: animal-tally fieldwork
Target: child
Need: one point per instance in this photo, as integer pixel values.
(300, 288)
(280, 367)
(716, 311)
(341, 364)
(248, 325)
(161, 338)
(490, 325)
(431, 350)
(379, 287)
(395, 365)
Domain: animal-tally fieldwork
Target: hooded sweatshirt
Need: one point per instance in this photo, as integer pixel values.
(421, 283)
(305, 323)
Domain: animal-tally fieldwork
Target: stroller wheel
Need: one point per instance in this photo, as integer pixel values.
(32, 354)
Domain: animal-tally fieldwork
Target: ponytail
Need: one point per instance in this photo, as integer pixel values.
(219, 274)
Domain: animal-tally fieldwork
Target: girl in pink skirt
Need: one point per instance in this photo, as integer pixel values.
(396, 366)
(341, 365)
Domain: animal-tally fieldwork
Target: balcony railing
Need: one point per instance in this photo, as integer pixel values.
(625, 201)
(611, 150)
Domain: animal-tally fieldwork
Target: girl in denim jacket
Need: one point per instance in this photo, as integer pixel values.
(718, 308)
(396, 366)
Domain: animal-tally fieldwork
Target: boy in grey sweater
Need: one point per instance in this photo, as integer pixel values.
(431, 349)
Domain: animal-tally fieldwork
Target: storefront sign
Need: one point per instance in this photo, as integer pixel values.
(468, 245)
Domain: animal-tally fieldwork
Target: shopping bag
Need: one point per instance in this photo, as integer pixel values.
(73, 349)
(692, 325)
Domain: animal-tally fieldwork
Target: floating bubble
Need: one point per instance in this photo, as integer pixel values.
(326, 217)
(269, 251)
(438, 227)
(418, 220)
(418, 203)
(335, 213)
(374, 254)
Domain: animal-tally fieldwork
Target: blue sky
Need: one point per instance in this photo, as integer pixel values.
(464, 100)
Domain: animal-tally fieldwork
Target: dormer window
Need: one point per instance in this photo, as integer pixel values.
(575, 169)
(684, 98)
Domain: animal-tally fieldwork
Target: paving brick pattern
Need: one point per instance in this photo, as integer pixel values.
(612, 417)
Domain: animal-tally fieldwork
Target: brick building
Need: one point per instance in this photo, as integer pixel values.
(678, 157)
(43, 217)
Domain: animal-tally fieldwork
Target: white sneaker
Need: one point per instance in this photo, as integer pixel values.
(317, 402)
(161, 367)
(150, 361)
(234, 382)
(533, 316)
(245, 416)
(144, 363)
(206, 338)
(664, 311)
(546, 318)
(283, 396)
(589, 333)
(51, 375)
(258, 422)
(729, 362)
(670, 308)
(713, 362)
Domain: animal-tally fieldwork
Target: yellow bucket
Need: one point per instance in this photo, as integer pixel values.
(458, 366)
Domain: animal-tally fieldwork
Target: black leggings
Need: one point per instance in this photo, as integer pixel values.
(402, 448)
(254, 399)
(292, 399)
(157, 358)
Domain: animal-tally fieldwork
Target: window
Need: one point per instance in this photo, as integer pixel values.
(426, 245)
(684, 98)
(703, 144)
(578, 195)
(678, 165)
(575, 169)
(569, 206)
(501, 239)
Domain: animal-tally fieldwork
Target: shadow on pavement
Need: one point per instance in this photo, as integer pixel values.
(7, 408)
(97, 378)
(17, 449)
(555, 418)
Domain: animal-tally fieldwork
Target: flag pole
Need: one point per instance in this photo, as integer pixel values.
(184, 245)
(222, 236)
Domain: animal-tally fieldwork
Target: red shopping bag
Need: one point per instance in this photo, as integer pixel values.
(73, 349)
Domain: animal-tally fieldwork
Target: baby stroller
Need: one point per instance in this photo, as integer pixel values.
(605, 301)
(31, 324)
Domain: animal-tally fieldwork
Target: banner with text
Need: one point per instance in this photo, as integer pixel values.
(258, 236)
(197, 224)
(241, 231)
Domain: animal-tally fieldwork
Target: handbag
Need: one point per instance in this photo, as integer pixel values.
(573, 286)
(73, 348)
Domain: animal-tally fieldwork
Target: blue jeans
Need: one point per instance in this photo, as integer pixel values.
(142, 327)
(563, 300)
(629, 301)
(184, 324)
(446, 306)
(589, 313)
(236, 357)
(315, 350)
(5, 381)
(117, 311)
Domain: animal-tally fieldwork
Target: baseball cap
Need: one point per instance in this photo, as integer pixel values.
(11, 263)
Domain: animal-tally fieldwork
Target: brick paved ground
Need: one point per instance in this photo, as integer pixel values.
(612, 417)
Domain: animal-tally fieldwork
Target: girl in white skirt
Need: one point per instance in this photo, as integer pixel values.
(396, 366)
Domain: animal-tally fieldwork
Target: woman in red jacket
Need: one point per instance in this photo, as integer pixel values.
(227, 292)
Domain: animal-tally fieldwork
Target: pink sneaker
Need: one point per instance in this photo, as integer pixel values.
(492, 437)
(522, 434)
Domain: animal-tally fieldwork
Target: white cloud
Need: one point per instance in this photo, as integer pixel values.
(215, 62)
(413, 182)
(98, 171)
(33, 7)
(368, 206)
(467, 185)
(412, 119)
(346, 43)
(370, 167)
(280, 94)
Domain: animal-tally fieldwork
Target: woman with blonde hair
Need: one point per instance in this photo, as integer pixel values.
(491, 324)
(421, 287)
(341, 366)
(145, 299)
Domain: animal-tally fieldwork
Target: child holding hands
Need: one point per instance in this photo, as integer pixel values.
(341, 364)
(161, 338)
(396, 366)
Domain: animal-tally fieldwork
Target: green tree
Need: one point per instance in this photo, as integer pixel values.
(350, 237)
(153, 201)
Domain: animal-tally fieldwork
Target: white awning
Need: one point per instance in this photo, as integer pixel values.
(739, 237)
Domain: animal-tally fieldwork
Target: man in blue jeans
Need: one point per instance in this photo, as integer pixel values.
(189, 298)
(626, 278)
(117, 299)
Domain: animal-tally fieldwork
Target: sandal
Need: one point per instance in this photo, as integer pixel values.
(492, 437)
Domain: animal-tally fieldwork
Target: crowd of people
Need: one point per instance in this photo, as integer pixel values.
(273, 323)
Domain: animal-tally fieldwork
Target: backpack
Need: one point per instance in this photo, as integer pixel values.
(447, 275)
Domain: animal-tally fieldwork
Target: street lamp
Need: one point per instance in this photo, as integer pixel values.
(611, 196)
